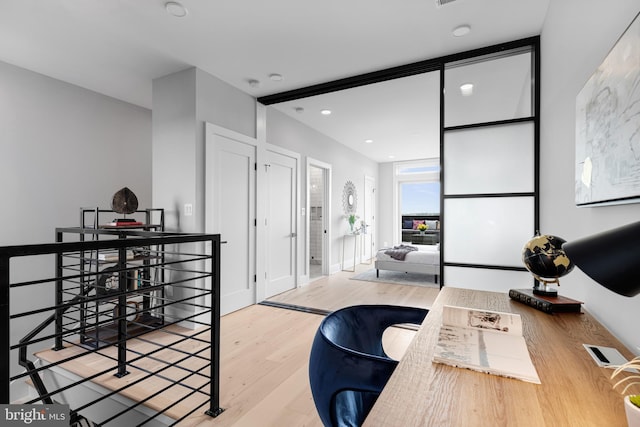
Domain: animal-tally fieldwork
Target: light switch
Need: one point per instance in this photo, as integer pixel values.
(188, 209)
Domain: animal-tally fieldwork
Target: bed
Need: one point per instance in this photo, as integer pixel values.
(425, 260)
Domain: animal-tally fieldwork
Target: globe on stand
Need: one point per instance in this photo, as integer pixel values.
(544, 257)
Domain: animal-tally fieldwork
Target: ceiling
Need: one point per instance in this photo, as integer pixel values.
(117, 47)
(399, 120)
(389, 121)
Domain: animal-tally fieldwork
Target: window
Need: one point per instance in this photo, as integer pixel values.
(420, 198)
(417, 191)
(418, 187)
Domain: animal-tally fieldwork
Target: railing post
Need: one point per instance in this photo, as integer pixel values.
(4, 318)
(59, 296)
(122, 313)
(214, 392)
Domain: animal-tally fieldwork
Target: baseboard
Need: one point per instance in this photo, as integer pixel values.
(335, 268)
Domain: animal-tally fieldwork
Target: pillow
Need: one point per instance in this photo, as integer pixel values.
(417, 222)
(433, 225)
(407, 224)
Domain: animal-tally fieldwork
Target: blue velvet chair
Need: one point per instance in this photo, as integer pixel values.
(348, 367)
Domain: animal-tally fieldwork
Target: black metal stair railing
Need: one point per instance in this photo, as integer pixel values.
(151, 307)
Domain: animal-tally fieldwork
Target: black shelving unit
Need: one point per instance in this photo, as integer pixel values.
(152, 219)
(113, 274)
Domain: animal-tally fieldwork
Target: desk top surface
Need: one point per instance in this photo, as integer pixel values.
(574, 390)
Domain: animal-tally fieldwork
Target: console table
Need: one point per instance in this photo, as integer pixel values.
(356, 239)
(574, 390)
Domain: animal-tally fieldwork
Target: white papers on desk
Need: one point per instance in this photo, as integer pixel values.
(485, 341)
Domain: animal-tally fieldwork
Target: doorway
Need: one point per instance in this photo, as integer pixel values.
(319, 208)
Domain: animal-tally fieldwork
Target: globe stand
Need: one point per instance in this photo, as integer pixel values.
(543, 288)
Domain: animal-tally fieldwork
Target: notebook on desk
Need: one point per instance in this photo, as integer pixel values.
(484, 341)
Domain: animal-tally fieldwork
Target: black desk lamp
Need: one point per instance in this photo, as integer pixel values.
(611, 258)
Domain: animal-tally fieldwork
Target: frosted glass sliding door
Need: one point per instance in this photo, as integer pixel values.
(492, 159)
(489, 169)
(501, 88)
(488, 230)
(497, 280)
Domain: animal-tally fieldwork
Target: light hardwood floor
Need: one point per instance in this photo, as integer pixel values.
(265, 352)
(338, 290)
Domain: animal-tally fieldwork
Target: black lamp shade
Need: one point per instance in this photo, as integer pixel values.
(611, 258)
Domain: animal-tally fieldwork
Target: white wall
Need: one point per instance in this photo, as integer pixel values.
(61, 148)
(174, 147)
(182, 103)
(576, 37)
(346, 165)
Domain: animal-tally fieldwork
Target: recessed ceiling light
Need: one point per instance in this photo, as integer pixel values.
(466, 89)
(392, 157)
(461, 30)
(276, 77)
(325, 112)
(253, 82)
(176, 9)
(368, 141)
(299, 110)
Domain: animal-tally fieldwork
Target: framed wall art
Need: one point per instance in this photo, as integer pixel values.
(608, 127)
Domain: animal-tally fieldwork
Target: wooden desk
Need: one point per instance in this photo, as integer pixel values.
(574, 390)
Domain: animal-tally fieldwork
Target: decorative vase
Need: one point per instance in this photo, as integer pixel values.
(633, 413)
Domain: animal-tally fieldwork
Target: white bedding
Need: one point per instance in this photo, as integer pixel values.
(426, 260)
(426, 254)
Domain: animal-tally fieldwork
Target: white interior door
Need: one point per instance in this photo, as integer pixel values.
(369, 217)
(231, 212)
(281, 222)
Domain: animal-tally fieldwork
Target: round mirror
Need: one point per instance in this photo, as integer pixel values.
(349, 198)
